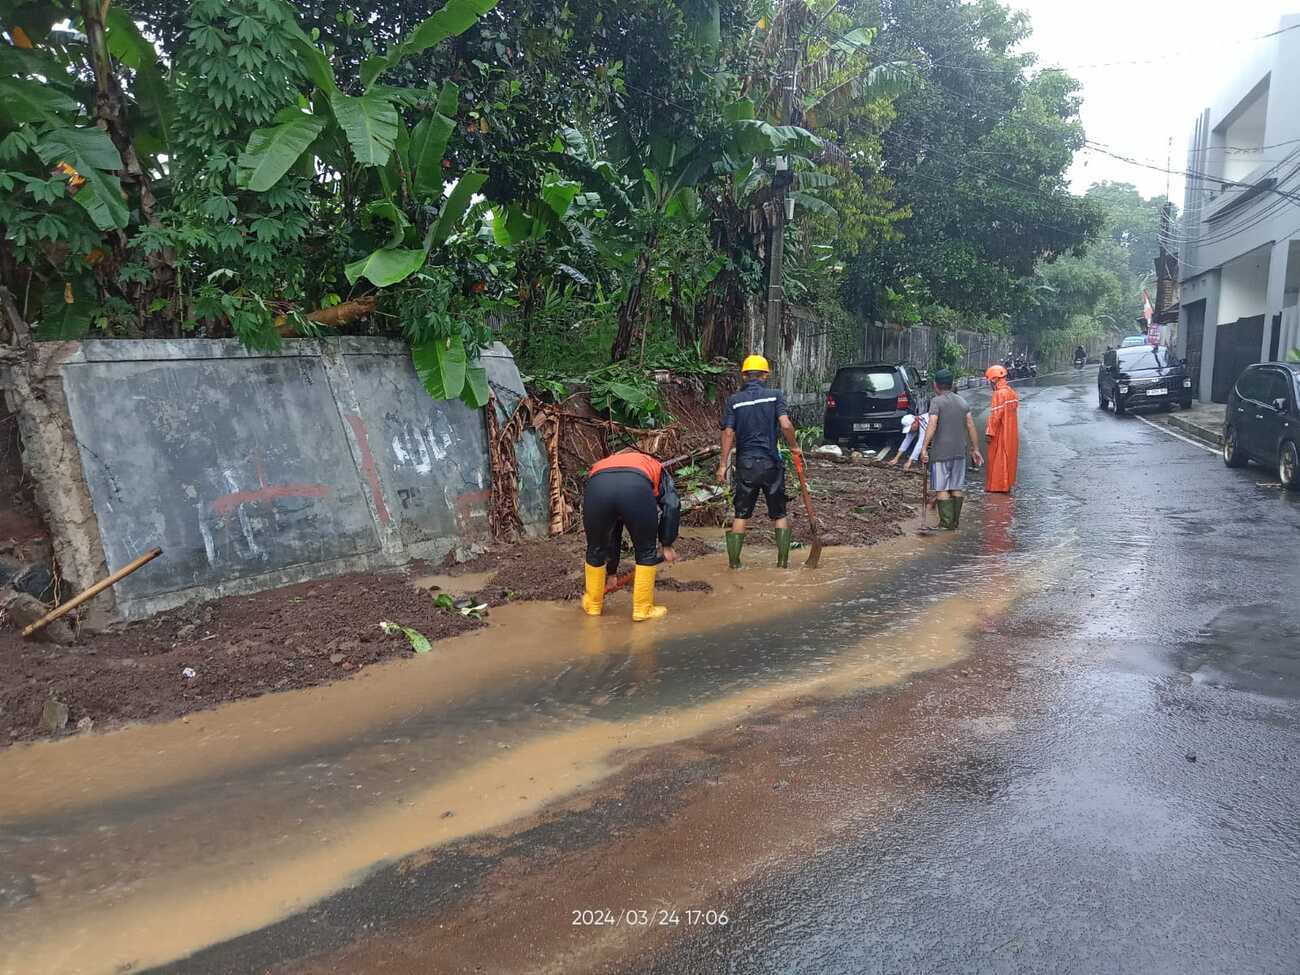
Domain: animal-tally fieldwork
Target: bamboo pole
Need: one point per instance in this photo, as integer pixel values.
(88, 594)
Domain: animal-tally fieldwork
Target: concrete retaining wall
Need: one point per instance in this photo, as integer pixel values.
(254, 469)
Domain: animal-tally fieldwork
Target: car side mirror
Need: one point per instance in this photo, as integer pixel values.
(1279, 404)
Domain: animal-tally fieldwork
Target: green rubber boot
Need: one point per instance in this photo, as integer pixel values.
(735, 542)
(783, 539)
(945, 514)
(956, 512)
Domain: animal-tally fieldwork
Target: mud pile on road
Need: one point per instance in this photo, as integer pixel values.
(551, 569)
(198, 657)
(857, 503)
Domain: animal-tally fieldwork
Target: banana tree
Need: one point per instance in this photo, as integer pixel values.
(401, 169)
(673, 170)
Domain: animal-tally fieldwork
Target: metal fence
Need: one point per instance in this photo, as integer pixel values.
(920, 345)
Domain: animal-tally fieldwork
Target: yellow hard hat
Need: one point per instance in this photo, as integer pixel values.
(755, 363)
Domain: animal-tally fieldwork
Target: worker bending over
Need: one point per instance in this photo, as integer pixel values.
(749, 424)
(633, 490)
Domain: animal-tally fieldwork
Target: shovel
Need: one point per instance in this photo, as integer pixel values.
(618, 582)
(623, 579)
(815, 556)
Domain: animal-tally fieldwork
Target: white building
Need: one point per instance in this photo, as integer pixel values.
(1240, 247)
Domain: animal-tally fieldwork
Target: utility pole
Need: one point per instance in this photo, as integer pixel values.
(781, 180)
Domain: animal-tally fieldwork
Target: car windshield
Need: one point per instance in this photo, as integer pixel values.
(1147, 357)
(873, 382)
(1132, 340)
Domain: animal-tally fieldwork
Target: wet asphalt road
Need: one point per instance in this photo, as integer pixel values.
(1144, 814)
(1106, 783)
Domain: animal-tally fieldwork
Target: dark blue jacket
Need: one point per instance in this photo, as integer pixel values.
(755, 413)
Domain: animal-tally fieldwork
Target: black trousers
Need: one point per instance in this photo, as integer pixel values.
(612, 501)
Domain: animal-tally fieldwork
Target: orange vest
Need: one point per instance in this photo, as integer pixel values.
(631, 460)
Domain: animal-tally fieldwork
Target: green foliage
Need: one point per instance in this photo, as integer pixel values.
(627, 395)
(418, 641)
(573, 177)
(948, 352)
(272, 152)
(978, 155)
(1081, 296)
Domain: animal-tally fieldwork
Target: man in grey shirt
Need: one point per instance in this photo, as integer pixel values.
(951, 431)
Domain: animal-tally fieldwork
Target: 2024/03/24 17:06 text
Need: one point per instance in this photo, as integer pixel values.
(658, 917)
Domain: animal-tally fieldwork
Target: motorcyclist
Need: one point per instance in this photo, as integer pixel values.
(1080, 356)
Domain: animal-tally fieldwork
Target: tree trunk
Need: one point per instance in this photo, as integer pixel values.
(681, 322)
(627, 315)
(14, 329)
(108, 110)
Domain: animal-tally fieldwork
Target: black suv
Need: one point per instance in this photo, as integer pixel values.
(1262, 420)
(1141, 376)
(866, 403)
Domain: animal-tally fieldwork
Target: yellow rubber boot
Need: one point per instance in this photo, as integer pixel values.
(643, 596)
(593, 600)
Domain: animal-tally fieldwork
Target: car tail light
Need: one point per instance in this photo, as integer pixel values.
(903, 402)
(830, 402)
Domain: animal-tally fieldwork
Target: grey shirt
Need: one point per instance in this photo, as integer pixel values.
(950, 441)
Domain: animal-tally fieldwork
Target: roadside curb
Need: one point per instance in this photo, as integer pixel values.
(1204, 434)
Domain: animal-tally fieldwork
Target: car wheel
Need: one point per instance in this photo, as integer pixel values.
(1232, 455)
(1101, 399)
(1288, 466)
(1186, 404)
(1117, 404)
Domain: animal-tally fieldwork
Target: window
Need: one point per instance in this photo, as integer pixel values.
(1146, 357)
(1275, 386)
(1252, 385)
(873, 382)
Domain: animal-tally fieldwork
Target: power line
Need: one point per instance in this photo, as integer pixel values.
(1192, 174)
(1273, 145)
(1158, 59)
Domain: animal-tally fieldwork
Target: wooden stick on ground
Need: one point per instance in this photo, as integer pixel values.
(92, 592)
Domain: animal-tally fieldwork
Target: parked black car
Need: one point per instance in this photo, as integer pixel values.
(1142, 376)
(866, 403)
(1262, 421)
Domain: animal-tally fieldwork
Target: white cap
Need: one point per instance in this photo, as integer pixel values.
(907, 423)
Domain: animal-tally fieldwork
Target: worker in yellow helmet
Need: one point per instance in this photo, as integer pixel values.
(750, 424)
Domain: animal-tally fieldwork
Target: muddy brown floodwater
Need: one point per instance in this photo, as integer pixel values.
(148, 843)
(319, 632)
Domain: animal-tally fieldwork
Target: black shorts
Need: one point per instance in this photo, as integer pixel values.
(757, 473)
(614, 500)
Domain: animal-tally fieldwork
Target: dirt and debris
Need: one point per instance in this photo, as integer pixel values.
(855, 503)
(237, 647)
(316, 632)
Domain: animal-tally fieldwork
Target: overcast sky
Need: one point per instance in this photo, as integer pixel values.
(1136, 108)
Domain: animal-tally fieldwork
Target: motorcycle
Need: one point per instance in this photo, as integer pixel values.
(1080, 361)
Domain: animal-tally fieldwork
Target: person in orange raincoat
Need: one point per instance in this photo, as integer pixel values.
(1003, 433)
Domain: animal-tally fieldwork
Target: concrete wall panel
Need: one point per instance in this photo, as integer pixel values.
(234, 467)
(431, 458)
(252, 470)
